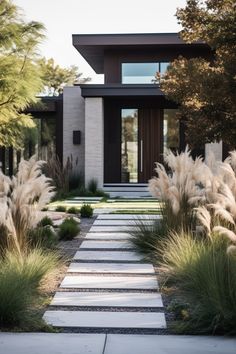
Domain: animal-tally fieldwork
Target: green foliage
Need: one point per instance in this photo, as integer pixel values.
(76, 181)
(55, 77)
(86, 211)
(20, 280)
(73, 210)
(19, 77)
(206, 88)
(145, 238)
(204, 277)
(46, 221)
(60, 208)
(43, 236)
(93, 186)
(68, 229)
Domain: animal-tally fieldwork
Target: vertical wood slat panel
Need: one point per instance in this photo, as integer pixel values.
(150, 132)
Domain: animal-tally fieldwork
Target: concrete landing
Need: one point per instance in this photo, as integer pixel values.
(73, 343)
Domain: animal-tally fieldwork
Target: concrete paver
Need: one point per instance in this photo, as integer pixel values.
(126, 256)
(125, 268)
(109, 282)
(107, 299)
(104, 319)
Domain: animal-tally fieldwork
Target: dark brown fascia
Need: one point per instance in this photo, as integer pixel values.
(92, 46)
(119, 90)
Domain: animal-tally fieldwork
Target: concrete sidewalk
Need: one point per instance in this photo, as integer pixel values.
(69, 343)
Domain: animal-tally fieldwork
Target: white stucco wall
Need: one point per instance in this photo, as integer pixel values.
(94, 140)
(73, 119)
(216, 148)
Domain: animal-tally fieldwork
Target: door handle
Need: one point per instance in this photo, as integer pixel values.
(141, 155)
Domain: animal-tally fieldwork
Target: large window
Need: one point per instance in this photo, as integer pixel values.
(142, 73)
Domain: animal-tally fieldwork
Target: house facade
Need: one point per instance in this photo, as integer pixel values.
(116, 131)
(126, 123)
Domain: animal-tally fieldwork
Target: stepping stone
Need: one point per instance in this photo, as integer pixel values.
(113, 228)
(107, 236)
(109, 282)
(126, 268)
(122, 222)
(107, 299)
(105, 244)
(96, 319)
(107, 256)
(129, 217)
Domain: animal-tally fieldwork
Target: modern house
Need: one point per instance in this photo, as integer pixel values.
(116, 131)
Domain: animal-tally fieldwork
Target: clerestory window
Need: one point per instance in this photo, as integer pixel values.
(142, 73)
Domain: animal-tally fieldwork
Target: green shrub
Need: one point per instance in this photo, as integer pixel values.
(20, 279)
(86, 211)
(61, 208)
(204, 277)
(93, 186)
(46, 221)
(76, 181)
(43, 237)
(73, 210)
(68, 229)
(45, 209)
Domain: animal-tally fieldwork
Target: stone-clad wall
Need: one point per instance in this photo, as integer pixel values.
(73, 119)
(94, 140)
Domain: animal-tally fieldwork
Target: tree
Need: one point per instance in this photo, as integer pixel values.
(19, 79)
(55, 77)
(206, 89)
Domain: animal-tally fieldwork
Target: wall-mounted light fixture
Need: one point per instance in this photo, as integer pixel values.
(76, 137)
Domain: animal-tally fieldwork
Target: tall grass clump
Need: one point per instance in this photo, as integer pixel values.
(21, 278)
(204, 280)
(22, 198)
(179, 186)
(146, 237)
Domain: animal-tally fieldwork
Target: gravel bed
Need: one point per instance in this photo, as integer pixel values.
(106, 309)
(105, 261)
(159, 331)
(102, 290)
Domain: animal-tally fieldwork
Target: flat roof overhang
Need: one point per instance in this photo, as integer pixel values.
(120, 90)
(93, 46)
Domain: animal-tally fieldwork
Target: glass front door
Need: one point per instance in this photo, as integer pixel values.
(129, 146)
(145, 134)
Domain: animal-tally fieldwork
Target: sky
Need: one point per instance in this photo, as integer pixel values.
(64, 17)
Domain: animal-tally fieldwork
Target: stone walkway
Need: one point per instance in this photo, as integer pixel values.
(108, 288)
(110, 291)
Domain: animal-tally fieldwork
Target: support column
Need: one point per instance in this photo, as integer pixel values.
(216, 148)
(73, 120)
(94, 140)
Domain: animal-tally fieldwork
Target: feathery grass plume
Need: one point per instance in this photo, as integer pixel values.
(180, 189)
(22, 198)
(219, 214)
